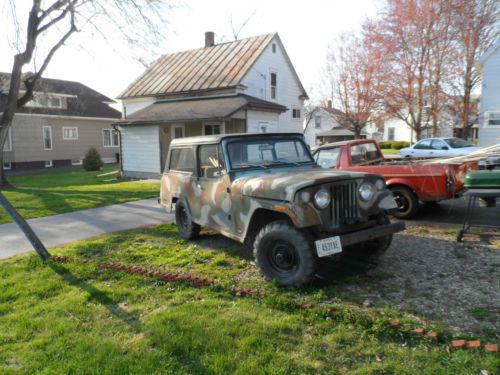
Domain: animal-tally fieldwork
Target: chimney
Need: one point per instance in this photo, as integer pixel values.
(209, 39)
(329, 106)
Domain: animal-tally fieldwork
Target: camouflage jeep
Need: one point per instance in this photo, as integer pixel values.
(267, 191)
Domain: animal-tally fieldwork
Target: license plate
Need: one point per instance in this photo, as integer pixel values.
(328, 246)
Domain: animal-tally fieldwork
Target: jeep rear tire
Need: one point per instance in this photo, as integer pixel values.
(187, 228)
(284, 254)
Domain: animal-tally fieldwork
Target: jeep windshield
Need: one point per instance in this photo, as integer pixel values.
(263, 153)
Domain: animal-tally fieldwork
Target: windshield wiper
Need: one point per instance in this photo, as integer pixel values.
(248, 165)
(284, 161)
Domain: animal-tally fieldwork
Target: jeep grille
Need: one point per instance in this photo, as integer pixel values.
(345, 204)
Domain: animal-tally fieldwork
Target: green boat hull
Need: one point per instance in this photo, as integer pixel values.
(483, 180)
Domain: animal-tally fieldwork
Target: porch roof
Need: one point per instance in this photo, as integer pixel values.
(185, 110)
(335, 132)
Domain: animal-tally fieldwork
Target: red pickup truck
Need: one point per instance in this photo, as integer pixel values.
(410, 181)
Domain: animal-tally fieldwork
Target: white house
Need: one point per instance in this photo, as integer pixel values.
(247, 85)
(489, 105)
(319, 121)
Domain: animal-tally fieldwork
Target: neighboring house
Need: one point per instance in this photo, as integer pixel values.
(247, 85)
(489, 106)
(321, 127)
(59, 125)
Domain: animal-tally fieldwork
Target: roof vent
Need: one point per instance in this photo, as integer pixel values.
(209, 39)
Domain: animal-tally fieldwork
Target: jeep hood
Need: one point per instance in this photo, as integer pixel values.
(283, 186)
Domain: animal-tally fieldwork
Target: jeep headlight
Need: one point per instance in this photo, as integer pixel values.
(366, 191)
(322, 199)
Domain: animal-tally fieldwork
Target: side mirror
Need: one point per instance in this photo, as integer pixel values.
(445, 148)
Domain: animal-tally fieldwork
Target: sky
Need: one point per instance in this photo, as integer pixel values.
(306, 29)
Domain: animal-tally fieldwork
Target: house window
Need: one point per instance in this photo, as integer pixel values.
(493, 118)
(76, 162)
(178, 131)
(48, 164)
(274, 84)
(212, 129)
(110, 138)
(70, 132)
(274, 47)
(296, 113)
(263, 127)
(47, 138)
(317, 121)
(7, 165)
(7, 146)
(46, 101)
(390, 134)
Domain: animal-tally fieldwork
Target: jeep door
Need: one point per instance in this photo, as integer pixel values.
(178, 178)
(212, 189)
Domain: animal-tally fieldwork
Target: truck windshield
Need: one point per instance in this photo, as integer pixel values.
(267, 152)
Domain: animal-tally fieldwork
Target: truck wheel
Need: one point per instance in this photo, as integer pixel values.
(407, 202)
(187, 228)
(373, 248)
(284, 254)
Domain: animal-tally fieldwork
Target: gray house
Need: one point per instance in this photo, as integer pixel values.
(59, 125)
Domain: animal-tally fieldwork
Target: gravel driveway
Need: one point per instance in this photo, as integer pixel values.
(428, 273)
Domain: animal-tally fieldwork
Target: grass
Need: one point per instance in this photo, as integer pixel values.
(390, 151)
(51, 193)
(76, 317)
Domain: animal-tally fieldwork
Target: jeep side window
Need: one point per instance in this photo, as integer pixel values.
(211, 165)
(182, 159)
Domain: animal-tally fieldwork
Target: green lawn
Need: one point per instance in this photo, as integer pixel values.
(390, 151)
(75, 316)
(50, 193)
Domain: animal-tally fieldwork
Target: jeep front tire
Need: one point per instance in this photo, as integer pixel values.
(284, 254)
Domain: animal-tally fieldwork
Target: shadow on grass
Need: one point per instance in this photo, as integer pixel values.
(96, 295)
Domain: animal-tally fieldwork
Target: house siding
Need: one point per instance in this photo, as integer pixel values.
(255, 118)
(28, 147)
(490, 99)
(327, 123)
(141, 150)
(258, 79)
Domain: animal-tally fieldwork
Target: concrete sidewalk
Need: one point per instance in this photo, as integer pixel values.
(65, 228)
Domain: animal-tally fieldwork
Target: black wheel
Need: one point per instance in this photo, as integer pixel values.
(187, 228)
(284, 254)
(460, 235)
(407, 202)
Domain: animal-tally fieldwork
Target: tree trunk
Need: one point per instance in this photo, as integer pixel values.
(418, 133)
(25, 227)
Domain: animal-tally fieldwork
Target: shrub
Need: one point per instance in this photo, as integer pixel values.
(385, 144)
(92, 160)
(399, 145)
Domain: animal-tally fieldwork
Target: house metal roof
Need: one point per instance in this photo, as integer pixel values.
(214, 108)
(221, 66)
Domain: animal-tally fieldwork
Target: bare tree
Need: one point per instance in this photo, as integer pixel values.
(404, 33)
(51, 23)
(354, 79)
